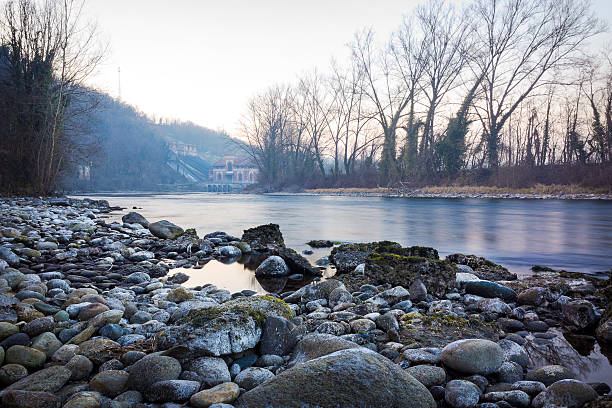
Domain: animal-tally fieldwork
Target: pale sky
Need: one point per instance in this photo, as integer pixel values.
(201, 61)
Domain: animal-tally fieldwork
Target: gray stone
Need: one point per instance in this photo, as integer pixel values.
(428, 375)
(567, 393)
(277, 336)
(549, 374)
(211, 371)
(473, 356)
(109, 382)
(273, 266)
(514, 352)
(314, 345)
(461, 394)
(172, 390)
(49, 379)
(151, 369)
(135, 218)
(490, 289)
(252, 377)
(349, 376)
(165, 229)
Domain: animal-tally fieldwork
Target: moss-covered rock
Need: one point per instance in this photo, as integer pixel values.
(229, 328)
(483, 268)
(439, 330)
(264, 237)
(388, 262)
(320, 243)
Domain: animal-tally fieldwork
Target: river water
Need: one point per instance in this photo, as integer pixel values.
(562, 234)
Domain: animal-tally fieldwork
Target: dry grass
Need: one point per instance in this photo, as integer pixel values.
(376, 190)
(540, 189)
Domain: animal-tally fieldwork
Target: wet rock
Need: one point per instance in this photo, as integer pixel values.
(165, 229)
(348, 376)
(230, 251)
(273, 266)
(473, 356)
(568, 393)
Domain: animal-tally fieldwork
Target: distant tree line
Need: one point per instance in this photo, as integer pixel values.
(480, 88)
(46, 53)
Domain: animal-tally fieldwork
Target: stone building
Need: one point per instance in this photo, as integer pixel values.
(233, 169)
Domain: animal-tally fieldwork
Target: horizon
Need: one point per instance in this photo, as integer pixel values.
(232, 54)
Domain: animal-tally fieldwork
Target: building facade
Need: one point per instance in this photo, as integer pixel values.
(232, 169)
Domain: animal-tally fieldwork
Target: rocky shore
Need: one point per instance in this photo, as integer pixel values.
(91, 317)
(395, 193)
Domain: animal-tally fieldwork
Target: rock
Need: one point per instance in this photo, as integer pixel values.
(529, 387)
(83, 399)
(222, 393)
(604, 331)
(263, 237)
(490, 290)
(135, 218)
(165, 229)
(482, 268)
(427, 355)
(252, 377)
(515, 398)
(509, 372)
(152, 369)
(142, 256)
(461, 394)
(230, 251)
(473, 356)
(349, 376)
(277, 336)
(231, 327)
(314, 345)
(110, 382)
(49, 379)
(80, 367)
(578, 315)
(30, 399)
(91, 310)
(47, 343)
(26, 356)
(533, 296)
(549, 374)
(211, 371)
(273, 266)
(428, 375)
(568, 393)
(100, 350)
(172, 390)
(418, 291)
(10, 373)
(514, 352)
(179, 295)
(339, 295)
(297, 263)
(7, 329)
(9, 256)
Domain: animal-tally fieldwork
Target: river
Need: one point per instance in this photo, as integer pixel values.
(574, 235)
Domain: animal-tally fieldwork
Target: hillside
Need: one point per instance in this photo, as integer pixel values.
(132, 149)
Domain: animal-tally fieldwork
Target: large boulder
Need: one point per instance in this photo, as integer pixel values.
(229, 328)
(165, 229)
(135, 218)
(483, 268)
(388, 262)
(473, 356)
(355, 378)
(264, 237)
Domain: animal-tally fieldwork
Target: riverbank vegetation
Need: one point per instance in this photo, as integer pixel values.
(508, 94)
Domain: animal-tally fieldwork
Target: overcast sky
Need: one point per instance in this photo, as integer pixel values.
(201, 60)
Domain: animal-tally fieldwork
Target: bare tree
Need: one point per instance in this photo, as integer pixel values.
(526, 40)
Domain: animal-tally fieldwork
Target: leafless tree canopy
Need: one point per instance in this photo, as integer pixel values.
(46, 53)
(491, 84)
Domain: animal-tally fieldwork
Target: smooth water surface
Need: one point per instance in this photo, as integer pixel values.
(574, 235)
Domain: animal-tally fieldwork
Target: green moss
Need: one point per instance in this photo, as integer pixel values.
(280, 303)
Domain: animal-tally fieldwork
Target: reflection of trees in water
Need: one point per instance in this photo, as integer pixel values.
(561, 352)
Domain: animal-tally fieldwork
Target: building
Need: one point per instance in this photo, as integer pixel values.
(232, 169)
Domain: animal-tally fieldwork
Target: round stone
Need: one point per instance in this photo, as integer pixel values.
(222, 393)
(26, 356)
(109, 382)
(252, 377)
(461, 394)
(473, 356)
(567, 393)
(428, 375)
(549, 374)
(151, 369)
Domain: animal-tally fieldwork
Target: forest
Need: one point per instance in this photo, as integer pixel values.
(507, 93)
